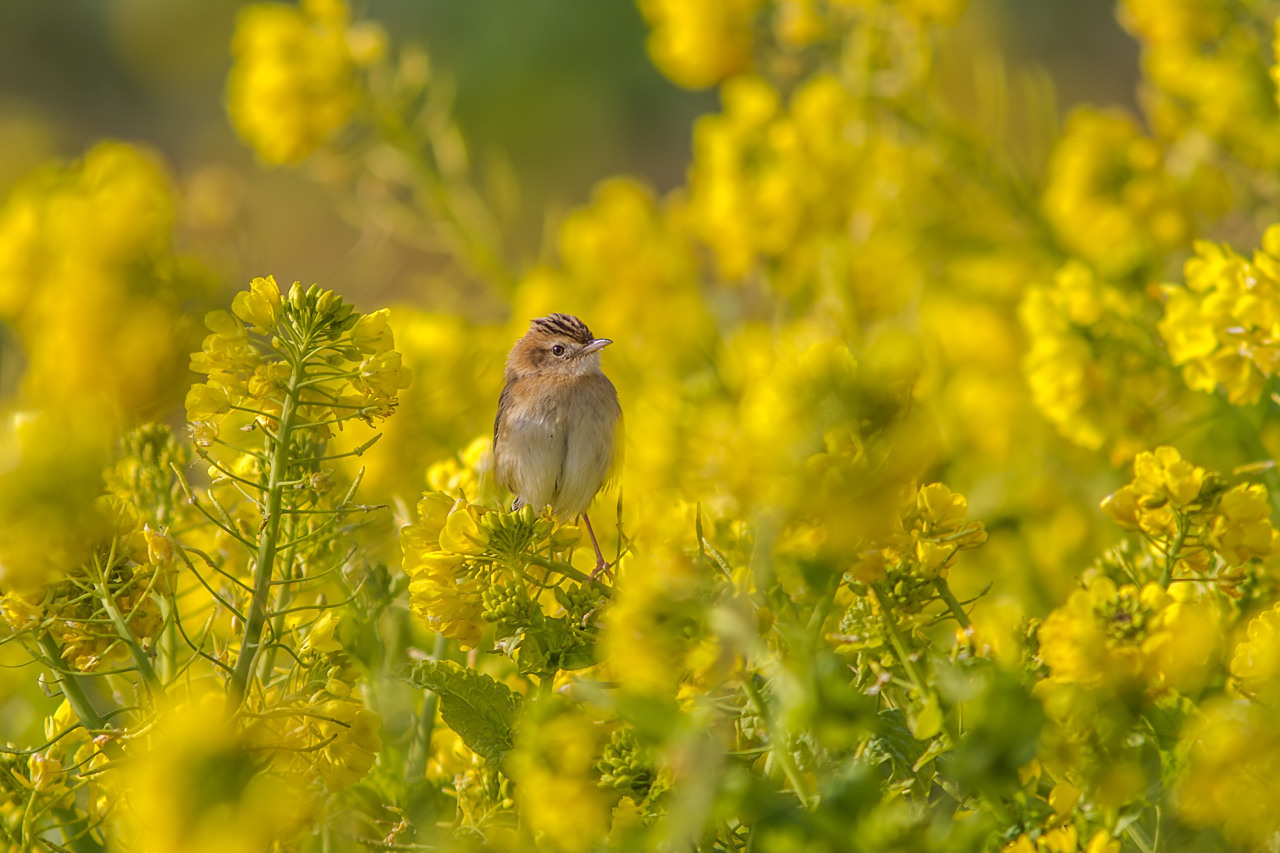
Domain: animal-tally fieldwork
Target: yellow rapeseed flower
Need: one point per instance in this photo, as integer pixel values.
(293, 82)
(1233, 762)
(1223, 326)
(1256, 662)
(698, 43)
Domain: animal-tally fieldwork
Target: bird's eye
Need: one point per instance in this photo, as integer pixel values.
(557, 350)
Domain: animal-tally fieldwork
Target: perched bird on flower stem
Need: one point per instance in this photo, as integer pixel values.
(558, 435)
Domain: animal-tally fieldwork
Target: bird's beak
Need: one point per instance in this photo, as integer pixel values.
(595, 346)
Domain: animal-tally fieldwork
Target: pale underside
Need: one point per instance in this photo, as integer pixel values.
(549, 454)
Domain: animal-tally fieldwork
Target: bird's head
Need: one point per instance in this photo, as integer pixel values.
(558, 345)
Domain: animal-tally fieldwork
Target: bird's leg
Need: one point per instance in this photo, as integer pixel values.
(601, 565)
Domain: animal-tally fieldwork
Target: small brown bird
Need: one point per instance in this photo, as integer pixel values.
(558, 435)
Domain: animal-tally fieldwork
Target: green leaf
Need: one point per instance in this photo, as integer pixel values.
(479, 709)
(894, 742)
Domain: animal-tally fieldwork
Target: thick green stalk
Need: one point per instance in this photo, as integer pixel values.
(277, 628)
(251, 644)
(420, 751)
(74, 830)
(72, 689)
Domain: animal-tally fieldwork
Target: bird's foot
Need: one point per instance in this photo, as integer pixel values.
(602, 568)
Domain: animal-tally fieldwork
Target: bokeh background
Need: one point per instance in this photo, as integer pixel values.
(904, 280)
(561, 92)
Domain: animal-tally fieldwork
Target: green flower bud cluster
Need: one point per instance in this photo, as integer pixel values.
(906, 589)
(862, 630)
(143, 476)
(509, 605)
(511, 533)
(581, 603)
(752, 726)
(626, 765)
(315, 308)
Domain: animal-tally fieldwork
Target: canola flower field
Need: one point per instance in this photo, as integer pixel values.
(946, 516)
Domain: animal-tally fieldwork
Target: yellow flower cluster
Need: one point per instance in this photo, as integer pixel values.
(657, 638)
(1233, 756)
(1064, 839)
(553, 764)
(195, 783)
(932, 531)
(699, 43)
(456, 551)
(1208, 66)
(773, 181)
(293, 81)
(443, 590)
(326, 736)
(1110, 196)
(1255, 664)
(1093, 372)
(363, 375)
(1233, 744)
(44, 531)
(1116, 637)
(112, 583)
(1223, 326)
(894, 585)
(91, 287)
(1149, 632)
(1192, 515)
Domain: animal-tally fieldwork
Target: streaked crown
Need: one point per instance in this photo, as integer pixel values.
(565, 325)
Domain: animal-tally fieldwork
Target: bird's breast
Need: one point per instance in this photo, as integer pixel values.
(554, 448)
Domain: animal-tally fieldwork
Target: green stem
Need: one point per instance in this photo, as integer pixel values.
(420, 751)
(140, 658)
(168, 639)
(252, 641)
(785, 759)
(277, 628)
(953, 604)
(73, 690)
(1171, 558)
(899, 644)
(556, 566)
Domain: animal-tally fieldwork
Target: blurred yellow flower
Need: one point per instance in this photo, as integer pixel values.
(698, 43)
(1256, 662)
(1124, 637)
(553, 766)
(194, 784)
(293, 82)
(91, 286)
(1109, 196)
(1088, 364)
(1233, 760)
